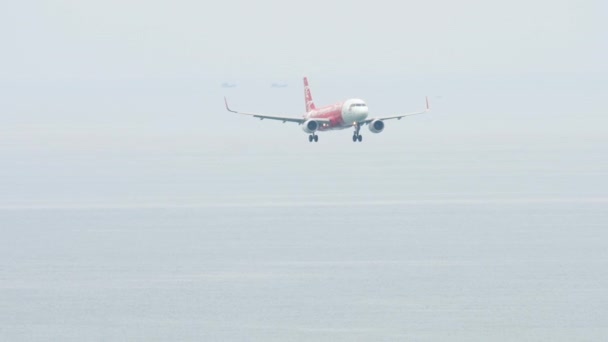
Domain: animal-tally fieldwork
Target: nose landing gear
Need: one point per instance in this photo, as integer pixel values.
(356, 135)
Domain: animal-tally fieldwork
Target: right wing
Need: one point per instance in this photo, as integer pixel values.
(275, 117)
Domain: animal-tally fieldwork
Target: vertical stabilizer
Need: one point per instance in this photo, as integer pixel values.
(310, 105)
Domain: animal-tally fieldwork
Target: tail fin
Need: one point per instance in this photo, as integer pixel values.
(310, 105)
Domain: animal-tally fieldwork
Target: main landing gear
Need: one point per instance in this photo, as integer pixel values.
(313, 137)
(356, 135)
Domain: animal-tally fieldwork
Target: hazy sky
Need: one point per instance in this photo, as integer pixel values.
(110, 78)
(117, 40)
(81, 61)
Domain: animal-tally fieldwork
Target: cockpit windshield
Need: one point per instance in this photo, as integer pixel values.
(357, 105)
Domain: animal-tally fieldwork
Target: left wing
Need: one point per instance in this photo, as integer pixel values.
(399, 117)
(300, 120)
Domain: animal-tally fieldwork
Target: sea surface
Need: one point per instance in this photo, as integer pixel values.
(424, 245)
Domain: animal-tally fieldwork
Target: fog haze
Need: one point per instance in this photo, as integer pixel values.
(134, 207)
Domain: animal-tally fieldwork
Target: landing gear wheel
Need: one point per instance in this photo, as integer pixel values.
(310, 138)
(316, 138)
(356, 135)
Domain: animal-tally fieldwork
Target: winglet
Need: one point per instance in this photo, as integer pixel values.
(226, 103)
(428, 107)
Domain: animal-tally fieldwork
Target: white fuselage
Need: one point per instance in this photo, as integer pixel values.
(341, 115)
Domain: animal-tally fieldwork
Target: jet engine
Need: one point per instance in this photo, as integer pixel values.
(310, 126)
(376, 126)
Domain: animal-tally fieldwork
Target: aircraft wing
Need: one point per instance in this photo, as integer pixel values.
(299, 120)
(400, 116)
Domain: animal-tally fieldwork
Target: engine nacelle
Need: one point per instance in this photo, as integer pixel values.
(310, 126)
(376, 126)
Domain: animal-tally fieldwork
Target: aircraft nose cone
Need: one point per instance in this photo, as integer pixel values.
(361, 113)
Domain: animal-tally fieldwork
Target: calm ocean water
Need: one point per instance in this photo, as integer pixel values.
(380, 271)
(428, 244)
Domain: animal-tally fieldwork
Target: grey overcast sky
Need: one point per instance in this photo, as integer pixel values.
(121, 79)
(59, 40)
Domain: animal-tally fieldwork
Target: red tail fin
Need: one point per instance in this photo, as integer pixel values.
(310, 105)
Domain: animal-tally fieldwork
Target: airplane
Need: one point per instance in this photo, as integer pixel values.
(352, 113)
